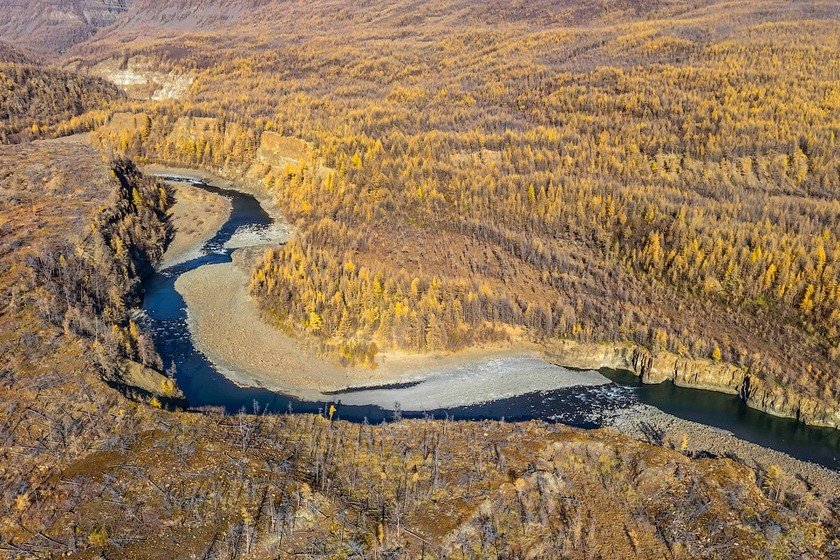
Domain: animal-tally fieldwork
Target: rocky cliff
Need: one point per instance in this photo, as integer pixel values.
(752, 387)
(55, 25)
(276, 152)
(141, 80)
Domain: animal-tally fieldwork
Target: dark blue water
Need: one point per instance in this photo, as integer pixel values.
(204, 386)
(728, 412)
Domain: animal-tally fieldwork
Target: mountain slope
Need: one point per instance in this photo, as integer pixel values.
(86, 472)
(51, 26)
(35, 100)
(652, 176)
(656, 183)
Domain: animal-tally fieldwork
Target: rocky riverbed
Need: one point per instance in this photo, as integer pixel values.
(655, 426)
(226, 326)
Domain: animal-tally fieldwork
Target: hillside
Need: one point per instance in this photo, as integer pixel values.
(658, 180)
(38, 101)
(50, 26)
(13, 54)
(645, 185)
(86, 471)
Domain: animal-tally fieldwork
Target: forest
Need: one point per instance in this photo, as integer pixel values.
(36, 101)
(664, 173)
(662, 186)
(86, 471)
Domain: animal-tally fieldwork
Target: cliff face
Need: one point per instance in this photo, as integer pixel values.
(276, 152)
(141, 80)
(55, 25)
(196, 129)
(275, 148)
(757, 392)
(776, 400)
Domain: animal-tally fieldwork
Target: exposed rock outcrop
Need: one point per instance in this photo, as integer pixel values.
(56, 25)
(128, 122)
(142, 378)
(194, 129)
(141, 81)
(275, 148)
(276, 151)
(698, 373)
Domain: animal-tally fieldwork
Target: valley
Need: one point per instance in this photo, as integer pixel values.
(227, 325)
(400, 279)
(482, 382)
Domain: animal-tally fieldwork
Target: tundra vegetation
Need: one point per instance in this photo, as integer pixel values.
(663, 174)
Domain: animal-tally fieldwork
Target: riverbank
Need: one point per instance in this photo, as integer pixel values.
(650, 424)
(698, 373)
(195, 217)
(231, 333)
(254, 188)
(226, 327)
(702, 374)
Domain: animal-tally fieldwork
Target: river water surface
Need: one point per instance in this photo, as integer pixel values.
(165, 313)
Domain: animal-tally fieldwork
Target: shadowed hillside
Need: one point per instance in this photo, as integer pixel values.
(14, 54)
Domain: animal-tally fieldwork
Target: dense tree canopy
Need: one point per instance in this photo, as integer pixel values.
(661, 172)
(642, 181)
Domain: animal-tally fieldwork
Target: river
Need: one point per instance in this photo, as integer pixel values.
(165, 314)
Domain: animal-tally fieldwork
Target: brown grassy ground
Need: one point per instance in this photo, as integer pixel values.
(49, 189)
